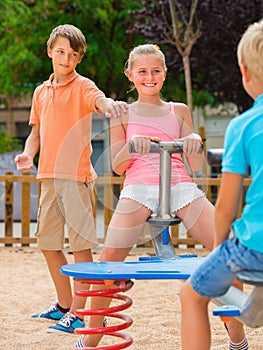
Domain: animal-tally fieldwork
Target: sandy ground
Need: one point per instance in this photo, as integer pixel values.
(26, 288)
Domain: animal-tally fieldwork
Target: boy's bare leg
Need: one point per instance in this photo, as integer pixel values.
(236, 328)
(79, 302)
(55, 259)
(195, 328)
(198, 218)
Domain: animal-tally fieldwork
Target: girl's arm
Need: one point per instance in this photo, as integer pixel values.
(192, 141)
(120, 155)
(227, 204)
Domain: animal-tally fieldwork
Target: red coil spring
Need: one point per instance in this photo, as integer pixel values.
(113, 293)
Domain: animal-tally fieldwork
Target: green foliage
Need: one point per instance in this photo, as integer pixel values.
(174, 90)
(214, 66)
(17, 60)
(8, 143)
(26, 25)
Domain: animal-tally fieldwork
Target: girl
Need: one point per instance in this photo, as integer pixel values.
(152, 119)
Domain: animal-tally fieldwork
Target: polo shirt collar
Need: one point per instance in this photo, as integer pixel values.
(71, 77)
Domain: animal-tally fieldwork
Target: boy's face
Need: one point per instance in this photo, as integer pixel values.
(64, 58)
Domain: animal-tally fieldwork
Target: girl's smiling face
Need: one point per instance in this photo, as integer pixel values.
(147, 74)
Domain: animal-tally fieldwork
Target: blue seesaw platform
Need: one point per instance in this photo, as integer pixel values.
(146, 268)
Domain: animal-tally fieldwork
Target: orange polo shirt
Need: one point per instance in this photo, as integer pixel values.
(64, 114)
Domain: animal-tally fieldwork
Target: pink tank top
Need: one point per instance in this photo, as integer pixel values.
(145, 169)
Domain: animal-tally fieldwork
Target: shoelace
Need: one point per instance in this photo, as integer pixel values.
(67, 319)
(53, 307)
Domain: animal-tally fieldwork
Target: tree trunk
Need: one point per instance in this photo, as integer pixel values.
(188, 82)
(10, 118)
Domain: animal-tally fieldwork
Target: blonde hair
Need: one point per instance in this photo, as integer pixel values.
(250, 50)
(73, 34)
(145, 49)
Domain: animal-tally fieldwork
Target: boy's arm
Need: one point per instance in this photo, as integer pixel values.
(227, 204)
(110, 107)
(24, 161)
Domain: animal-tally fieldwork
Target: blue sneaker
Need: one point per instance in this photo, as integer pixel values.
(52, 313)
(67, 324)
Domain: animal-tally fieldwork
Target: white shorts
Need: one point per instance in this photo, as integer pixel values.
(182, 194)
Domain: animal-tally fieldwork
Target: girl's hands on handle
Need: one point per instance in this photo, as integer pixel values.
(192, 144)
(23, 162)
(142, 144)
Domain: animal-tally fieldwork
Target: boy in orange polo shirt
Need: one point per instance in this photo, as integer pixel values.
(61, 128)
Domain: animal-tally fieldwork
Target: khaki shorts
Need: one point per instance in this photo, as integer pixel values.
(65, 202)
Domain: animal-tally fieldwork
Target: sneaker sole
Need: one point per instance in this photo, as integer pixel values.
(57, 331)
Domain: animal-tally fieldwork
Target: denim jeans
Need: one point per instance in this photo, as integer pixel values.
(218, 271)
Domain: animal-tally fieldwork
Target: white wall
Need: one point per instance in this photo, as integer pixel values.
(215, 121)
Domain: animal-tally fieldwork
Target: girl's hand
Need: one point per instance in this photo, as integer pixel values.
(142, 144)
(23, 162)
(192, 144)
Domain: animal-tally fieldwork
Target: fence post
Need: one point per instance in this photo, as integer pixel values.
(25, 208)
(9, 206)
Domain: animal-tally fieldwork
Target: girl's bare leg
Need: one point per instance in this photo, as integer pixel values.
(198, 219)
(125, 227)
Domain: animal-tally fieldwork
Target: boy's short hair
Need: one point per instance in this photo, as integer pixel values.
(250, 50)
(73, 34)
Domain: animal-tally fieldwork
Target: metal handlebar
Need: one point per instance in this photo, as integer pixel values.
(158, 147)
(165, 149)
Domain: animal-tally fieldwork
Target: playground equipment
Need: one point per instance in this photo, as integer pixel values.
(121, 273)
(167, 265)
(159, 222)
(247, 308)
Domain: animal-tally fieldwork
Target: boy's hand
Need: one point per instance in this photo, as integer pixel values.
(23, 162)
(116, 109)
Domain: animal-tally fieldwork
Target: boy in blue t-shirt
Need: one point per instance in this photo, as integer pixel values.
(239, 242)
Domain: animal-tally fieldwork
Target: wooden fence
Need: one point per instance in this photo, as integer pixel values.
(106, 189)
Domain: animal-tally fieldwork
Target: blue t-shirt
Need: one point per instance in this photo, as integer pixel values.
(244, 151)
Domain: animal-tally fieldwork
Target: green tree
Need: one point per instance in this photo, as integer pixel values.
(213, 61)
(17, 62)
(25, 27)
(185, 29)
(8, 143)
